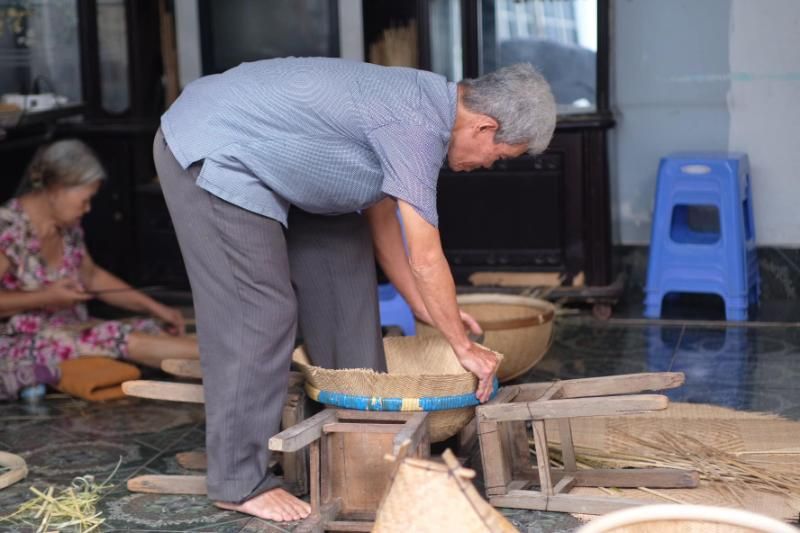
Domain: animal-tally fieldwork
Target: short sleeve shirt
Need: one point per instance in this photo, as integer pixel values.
(329, 136)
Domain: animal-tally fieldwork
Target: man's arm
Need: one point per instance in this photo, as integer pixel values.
(436, 287)
(387, 237)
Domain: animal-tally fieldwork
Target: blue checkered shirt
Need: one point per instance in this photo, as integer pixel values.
(329, 136)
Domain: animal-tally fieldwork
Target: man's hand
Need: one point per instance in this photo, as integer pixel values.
(483, 364)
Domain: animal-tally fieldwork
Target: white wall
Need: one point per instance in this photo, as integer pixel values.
(764, 105)
(706, 75)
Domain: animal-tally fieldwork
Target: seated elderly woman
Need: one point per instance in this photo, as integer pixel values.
(47, 275)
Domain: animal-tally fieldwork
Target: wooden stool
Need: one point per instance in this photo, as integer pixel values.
(504, 441)
(348, 472)
(294, 465)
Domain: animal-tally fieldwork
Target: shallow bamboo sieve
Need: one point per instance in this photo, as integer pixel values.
(421, 371)
(519, 327)
(670, 518)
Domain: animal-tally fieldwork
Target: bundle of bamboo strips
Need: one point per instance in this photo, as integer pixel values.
(73, 508)
(730, 474)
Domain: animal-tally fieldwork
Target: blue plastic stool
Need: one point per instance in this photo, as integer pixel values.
(688, 258)
(394, 310)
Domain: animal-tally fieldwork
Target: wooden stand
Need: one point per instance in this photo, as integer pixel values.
(295, 410)
(503, 431)
(348, 472)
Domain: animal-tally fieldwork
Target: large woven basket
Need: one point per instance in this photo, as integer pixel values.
(423, 375)
(686, 519)
(519, 327)
(429, 497)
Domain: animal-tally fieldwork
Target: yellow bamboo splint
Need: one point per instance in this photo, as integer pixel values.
(503, 431)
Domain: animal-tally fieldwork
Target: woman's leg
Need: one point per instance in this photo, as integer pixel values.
(246, 322)
(150, 349)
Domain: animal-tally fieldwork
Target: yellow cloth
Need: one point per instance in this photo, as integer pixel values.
(96, 378)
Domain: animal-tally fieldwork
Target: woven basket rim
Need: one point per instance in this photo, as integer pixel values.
(381, 403)
(547, 310)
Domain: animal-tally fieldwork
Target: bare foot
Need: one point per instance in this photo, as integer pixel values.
(275, 504)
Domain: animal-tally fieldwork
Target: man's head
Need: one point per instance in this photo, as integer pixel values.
(501, 115)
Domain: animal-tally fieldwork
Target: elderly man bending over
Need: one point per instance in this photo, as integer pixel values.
(282, 178)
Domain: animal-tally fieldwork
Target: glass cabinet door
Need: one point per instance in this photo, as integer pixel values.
(559, 37)
(444, 24)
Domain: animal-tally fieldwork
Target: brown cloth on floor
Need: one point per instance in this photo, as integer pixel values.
(96, 378)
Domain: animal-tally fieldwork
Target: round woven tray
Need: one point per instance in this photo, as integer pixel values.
(423, 375)
(668, 518)
(519, 327)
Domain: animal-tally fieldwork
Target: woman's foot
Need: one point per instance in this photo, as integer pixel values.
(275, 504)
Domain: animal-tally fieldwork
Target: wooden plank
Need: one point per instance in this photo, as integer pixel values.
(622, 384)
(529, 392)
(359, 473)
(518, 448)
(361, 427)
(302, 434)
(164, 390)
(567, 446)
(573, 408)
(542, 458)
(564, 503)
(657, 478)
(348, 525)
(563, 486)
(553, 392)
(294, 464)
(18, 469)
(192, 460)
(349, 415)
(185, 368)
(156, 484)
(496, 468)
(314, 464)
(413, 432)
(315, 522)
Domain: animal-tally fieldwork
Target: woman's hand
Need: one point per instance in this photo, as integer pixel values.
(64, 293)
(483, 364)
(173, 317)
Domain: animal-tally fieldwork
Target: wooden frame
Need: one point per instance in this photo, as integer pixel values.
(293, 464)
(348, 472)
(503, 431)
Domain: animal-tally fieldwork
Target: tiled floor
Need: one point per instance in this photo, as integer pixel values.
(750, 368)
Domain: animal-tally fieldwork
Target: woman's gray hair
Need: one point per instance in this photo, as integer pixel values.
(520, 100)
(66, 163)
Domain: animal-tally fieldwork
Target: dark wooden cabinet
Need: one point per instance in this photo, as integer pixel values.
(549, 212)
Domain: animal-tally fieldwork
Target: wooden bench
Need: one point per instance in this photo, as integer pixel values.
(349, 473)
(503, 432)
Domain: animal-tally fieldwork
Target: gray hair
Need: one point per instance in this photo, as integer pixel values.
(520, 100)
(66, 163)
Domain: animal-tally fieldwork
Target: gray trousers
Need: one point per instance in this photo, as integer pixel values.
(252, 282)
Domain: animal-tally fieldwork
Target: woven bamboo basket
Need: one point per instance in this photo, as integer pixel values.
(423, 375)
(519, 327)
(429, 497)
(671, 518)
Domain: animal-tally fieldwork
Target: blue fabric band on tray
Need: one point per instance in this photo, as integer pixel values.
(372, 403)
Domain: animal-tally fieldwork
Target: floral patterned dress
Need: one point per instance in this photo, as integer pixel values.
(33, 343)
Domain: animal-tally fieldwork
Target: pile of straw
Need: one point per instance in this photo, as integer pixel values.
(73, 508)
(729, 473)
